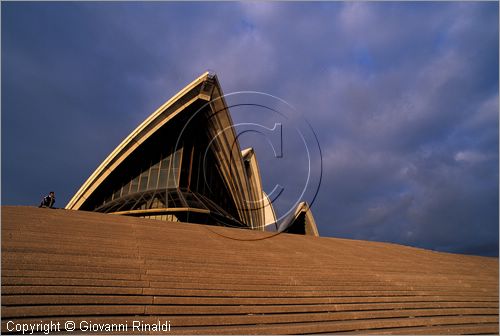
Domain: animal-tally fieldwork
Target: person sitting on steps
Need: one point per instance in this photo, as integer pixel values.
(48, 201)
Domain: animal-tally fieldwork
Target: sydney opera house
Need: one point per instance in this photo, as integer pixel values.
(184, 163)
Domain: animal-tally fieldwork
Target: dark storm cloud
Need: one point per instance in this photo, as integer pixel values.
(402, 96)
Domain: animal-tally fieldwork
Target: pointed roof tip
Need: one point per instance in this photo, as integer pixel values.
(246, 151)
(211, 74)
(303, 206)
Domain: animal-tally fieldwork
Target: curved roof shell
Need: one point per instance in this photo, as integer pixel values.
(204, 91)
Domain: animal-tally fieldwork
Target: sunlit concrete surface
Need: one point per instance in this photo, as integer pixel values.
(63, 265)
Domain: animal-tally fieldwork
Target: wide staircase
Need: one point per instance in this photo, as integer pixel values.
(60, 266)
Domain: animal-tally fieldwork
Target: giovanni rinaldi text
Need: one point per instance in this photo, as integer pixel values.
(48, 326)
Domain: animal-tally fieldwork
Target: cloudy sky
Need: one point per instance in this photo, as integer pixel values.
(403, 98)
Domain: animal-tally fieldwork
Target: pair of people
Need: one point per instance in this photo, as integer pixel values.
(48, 201)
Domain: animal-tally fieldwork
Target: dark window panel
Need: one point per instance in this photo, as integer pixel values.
(143, 182)
(134, 185)
(153, 176)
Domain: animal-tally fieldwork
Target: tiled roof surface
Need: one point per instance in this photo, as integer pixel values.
(60, 265)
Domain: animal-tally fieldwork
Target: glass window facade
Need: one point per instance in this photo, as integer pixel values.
(162, 173)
